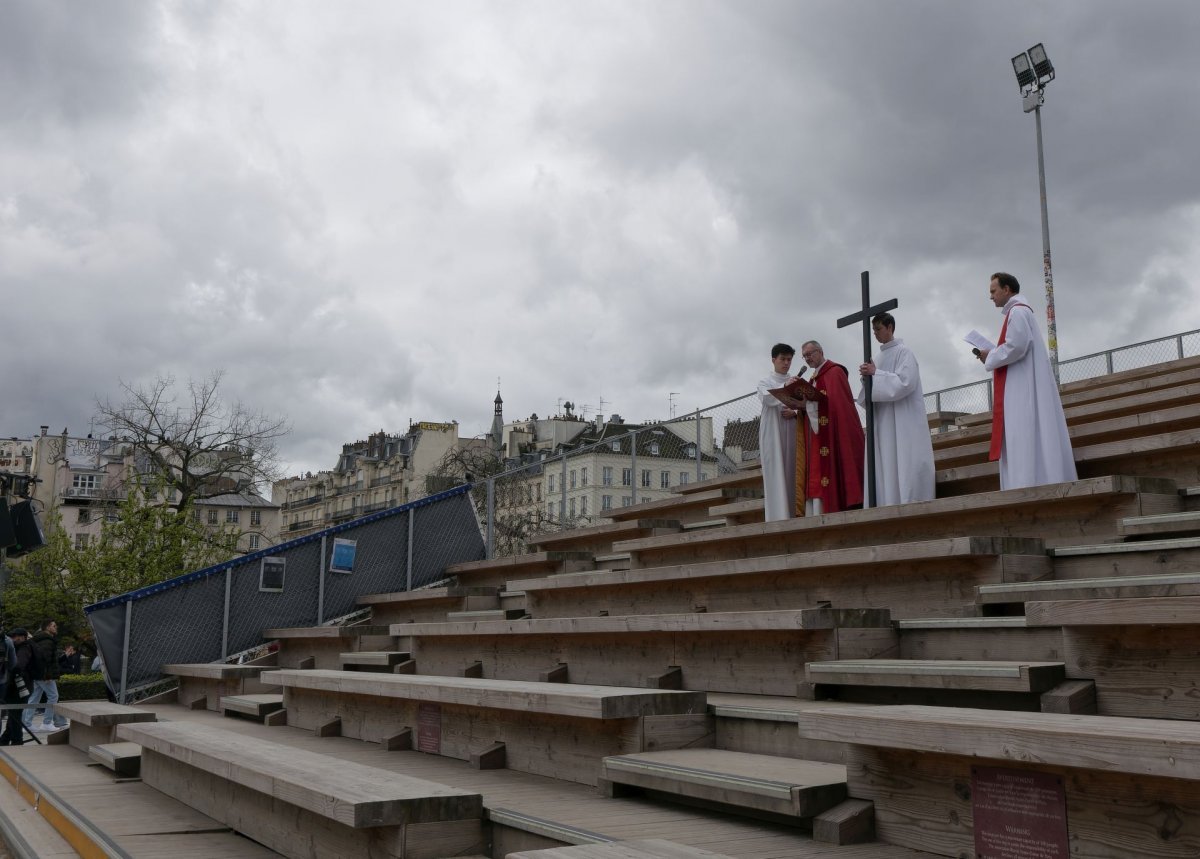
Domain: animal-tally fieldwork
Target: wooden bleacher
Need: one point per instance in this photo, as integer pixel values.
(784, 689)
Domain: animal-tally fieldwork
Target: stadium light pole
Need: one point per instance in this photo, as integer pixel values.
(1034, 71)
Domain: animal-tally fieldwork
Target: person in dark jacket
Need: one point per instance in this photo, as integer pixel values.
(45, 678)
(18, 663)
(68, 663)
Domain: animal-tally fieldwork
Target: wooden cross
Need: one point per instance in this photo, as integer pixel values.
(864, 316)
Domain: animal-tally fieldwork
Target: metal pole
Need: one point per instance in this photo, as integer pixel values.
(321, 584)
(698, 459)
(491, 515)
(412, 513)
(125, 652)
(225, 616)
(1047, 269)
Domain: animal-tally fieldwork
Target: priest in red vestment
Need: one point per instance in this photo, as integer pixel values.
(836, 443)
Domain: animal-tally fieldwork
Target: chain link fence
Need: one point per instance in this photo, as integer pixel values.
(976, 397)
(611, 465)
(211, 614)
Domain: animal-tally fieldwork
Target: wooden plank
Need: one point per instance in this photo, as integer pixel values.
(212, 670)
(124, 759)
(1122, 612)
(850, 822)
(1103, 743)
(760, 782)
(592, 702)
(717, 622)
(352, 794)
(257, 706)
(1071, 696)
(992, 675)
(1163, 524)
(324, 632)
(1150, 672)
(649, 848)
(102, 713)
(1108, 587)
(448, 593)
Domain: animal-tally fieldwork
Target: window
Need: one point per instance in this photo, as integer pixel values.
(664, 479)
(572, 478)
(572, 508)
(212, 517)
(683, 478)
(704, 475)
(626, 500)
(606, 502)
(689, 451)
(255, 517)
(253, 542)
(645, 499)
(654, 448)
(550, 509)
(551, 482)
(110, 515)
(231, 517)
(583, 476)
(627, 477)
(85, 516)
(85, 481)
(645, 477)
(583, 506)
(616, 445)
(539, 493)
(81, 541)
(607, 475)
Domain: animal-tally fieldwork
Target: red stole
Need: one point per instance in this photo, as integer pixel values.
(999, 376)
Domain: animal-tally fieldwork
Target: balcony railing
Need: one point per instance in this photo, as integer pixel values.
(93, 492)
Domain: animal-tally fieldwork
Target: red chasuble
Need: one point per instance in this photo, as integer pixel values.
(836, 450)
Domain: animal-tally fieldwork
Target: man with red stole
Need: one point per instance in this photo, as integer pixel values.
(835, 437)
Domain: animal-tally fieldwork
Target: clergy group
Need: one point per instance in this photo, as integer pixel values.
(811, 440)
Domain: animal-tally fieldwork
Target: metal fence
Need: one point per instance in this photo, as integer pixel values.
(222, 610)
(976, 397)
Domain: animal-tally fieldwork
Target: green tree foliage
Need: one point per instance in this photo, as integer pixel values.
(149, 541)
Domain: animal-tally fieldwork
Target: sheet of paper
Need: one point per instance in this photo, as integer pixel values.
(979, 341)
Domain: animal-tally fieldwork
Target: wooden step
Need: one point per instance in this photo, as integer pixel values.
(1144, 611)
(1161, 525)
(384, 660)
(1135, 558)
(646, 848)
(325, 632)
(983, 639)
(685, 509)
(992, 676)
(491, 614)
(124, 759)
(749, 477)
(600, 539)
(495, 572)
(737, 779)
(1143, 747)
(255, 706)
(1111, 587)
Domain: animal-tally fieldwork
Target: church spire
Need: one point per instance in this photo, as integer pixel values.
(496, 434)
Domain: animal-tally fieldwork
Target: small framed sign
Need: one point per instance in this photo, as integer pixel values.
(342, 560)
(270, 577)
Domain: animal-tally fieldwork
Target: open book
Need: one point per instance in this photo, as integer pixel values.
(794, 393)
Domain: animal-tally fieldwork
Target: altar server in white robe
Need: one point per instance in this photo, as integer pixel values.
(777, 439)
(903, 447)
(1029, 431)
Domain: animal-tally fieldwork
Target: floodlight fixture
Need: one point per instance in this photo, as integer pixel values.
(1024, 71)
(1042, 66)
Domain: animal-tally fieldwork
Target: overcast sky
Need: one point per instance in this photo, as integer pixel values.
(366, 212)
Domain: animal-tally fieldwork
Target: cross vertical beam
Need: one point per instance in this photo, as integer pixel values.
(864, 316)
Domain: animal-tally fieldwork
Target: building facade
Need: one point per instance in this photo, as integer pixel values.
(378, 473)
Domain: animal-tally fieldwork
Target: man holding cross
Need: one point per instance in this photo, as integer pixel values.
(904, 469)
(835, 437)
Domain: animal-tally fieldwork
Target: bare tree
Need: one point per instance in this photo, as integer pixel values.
(199, 447)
